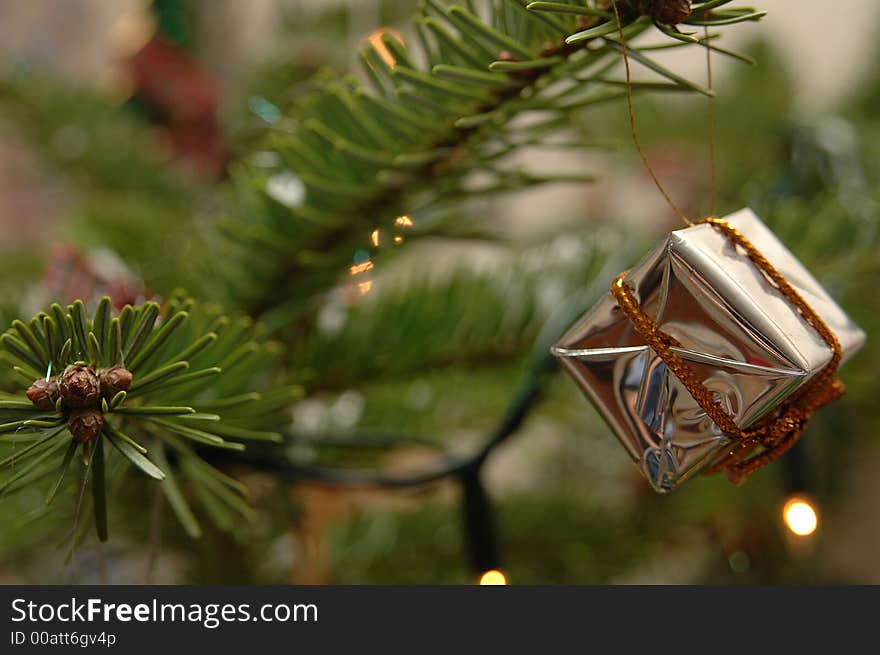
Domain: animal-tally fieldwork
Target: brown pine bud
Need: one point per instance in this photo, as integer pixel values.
(113, 380)
(668, 12)
(85, 424)
(79, 387)
(43, 393)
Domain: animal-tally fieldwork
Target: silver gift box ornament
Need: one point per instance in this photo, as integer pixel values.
(751, 348)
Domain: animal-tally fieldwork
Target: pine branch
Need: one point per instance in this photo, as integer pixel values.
(358, 158)
(146, 386)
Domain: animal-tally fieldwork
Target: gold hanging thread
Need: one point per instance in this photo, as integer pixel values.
(632, 120)
(713, 175)
(710, 108)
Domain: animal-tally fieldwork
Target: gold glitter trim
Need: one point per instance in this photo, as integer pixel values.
(775, 435)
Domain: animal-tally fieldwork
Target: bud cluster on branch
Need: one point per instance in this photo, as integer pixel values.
(77, 394)
(178, 357)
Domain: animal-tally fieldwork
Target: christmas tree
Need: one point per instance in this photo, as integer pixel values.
(317, 352)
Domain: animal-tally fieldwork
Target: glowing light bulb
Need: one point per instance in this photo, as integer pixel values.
(800, 516)
(374, 238)
(493, 578)
(357, 269)
(404, 221)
